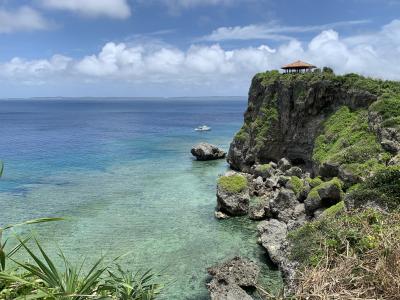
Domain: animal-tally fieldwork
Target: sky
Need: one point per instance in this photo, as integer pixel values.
(169, 48)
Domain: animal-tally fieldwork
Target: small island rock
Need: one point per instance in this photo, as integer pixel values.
(205, 151)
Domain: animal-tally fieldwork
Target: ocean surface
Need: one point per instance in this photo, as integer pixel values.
(121, 173)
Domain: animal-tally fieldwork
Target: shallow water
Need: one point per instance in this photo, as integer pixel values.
(122, 174)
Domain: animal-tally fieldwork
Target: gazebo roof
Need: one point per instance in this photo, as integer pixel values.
(299, 65)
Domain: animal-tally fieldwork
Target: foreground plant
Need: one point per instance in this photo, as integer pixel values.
(48, 281)
(126, 285)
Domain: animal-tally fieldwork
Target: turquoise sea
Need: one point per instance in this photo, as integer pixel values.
(121, 172)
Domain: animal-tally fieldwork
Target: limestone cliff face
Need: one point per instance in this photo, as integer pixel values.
(285, 114)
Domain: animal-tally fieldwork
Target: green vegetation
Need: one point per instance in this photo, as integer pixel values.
(262, 124)
(313, 182)
(297, 185)
(383, 188)
(242, 134)
(265, 167)
(388, 106)
(1, 168)
(356, 248)
(336, 231)
(233, 184)
(314, 193)
(347, 140)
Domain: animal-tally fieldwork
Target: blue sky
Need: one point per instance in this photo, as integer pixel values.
(186, 47)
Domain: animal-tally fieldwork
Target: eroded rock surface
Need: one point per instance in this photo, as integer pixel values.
(230, 277)
(205, 151)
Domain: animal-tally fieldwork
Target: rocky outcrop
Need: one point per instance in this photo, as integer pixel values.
(230, 277)
(284, 117)
(389, 137)
(323, 196)
(273, 237)
(231, 201)
(205, 151)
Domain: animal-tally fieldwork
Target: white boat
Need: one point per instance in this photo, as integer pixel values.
(203, 128)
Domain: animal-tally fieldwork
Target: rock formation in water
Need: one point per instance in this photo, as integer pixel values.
(205, 151)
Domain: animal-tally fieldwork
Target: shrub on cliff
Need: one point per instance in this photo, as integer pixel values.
(382, 189)
(347, 140)
(389, 108)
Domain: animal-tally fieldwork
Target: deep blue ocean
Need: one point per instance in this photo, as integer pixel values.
(121, 173)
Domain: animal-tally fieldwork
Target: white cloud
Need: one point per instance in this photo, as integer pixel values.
(211, 69)
(270, 31)
(118, 9)
(22, 19)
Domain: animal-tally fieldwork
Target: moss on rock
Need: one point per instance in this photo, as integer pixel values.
(297, 185)
(233, 184)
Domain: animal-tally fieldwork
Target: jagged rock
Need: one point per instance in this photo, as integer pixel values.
(233, 203)
(294, 171)
(283, 205)
(265, 171)
(222, 290)
(229, 278)
(389, 137)
(273, 238)
(318, 213)
(298, 217)
(284, 164)
(323, 196)
(205, 151)
(329, 170)
(257, 212)
(395, 161)
(271, 182)
(220, 215)
(348, 177)
(283, 180)
(238, 270)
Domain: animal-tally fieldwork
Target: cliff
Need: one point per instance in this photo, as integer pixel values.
(320, 169)
(287, 116)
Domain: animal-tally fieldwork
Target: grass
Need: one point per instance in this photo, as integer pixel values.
(358, 257)
(383, 188)
(347, 140)
(233, 184)
(389, 108)
(262, 124)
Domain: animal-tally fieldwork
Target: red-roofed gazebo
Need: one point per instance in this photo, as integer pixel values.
(298, 67)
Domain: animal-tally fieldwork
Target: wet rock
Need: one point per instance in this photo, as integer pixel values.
(230, 277)
(205, 151)
(220, 215)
